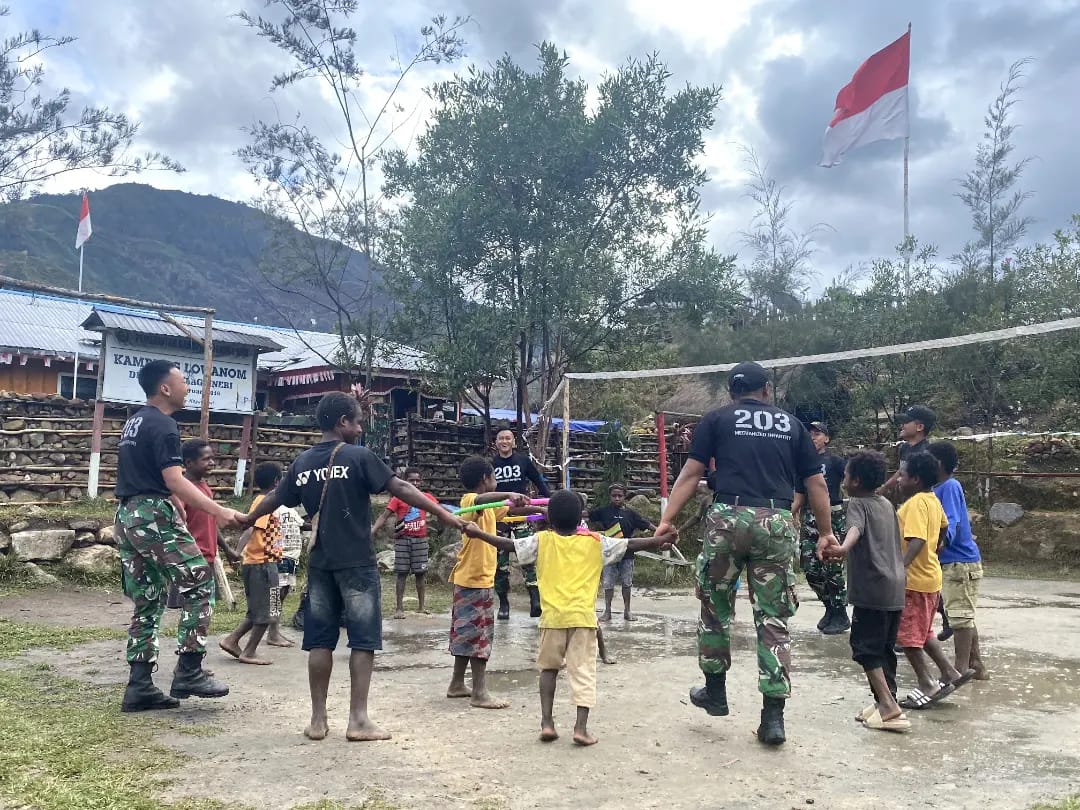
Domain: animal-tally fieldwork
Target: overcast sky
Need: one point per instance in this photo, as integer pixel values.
(194, 76)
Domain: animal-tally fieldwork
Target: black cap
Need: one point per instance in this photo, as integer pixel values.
(918, 413)
(747, 377)
(821, 427)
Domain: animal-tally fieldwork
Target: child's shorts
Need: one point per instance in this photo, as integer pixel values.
(577, 647)
(355, 593)
(262, 593)
(960, 592)
(917, 622)
(620, 573)
(873, 636)
(411, 555)
(472, 622)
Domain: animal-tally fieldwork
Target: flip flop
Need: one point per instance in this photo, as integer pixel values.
(918, 700)
(899, 725)
(965, 678)
(866, 713)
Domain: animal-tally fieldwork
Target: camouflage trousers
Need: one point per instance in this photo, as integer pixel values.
(502, 568)
(761, 541)
(825, 578)
(156, 552)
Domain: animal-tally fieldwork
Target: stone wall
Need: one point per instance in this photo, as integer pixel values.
(28, 537)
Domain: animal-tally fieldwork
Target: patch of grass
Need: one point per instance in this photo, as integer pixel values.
(1031, 569)
(18, 637)
(1070, 803)
(65, 744)
(98, 508)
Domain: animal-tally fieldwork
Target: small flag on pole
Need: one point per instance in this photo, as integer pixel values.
(84, 223)
(873, 106)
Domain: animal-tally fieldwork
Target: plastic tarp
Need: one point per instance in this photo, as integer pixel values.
(507, 415)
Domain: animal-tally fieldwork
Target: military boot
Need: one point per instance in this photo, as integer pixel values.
(712, 697)
(771, 730)
(141, 695)
(838, 622)
(534, 602)
(824, 620)
(191, 680)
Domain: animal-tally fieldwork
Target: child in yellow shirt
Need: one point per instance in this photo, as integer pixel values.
(472, 614)
(568, 567)
(922, 526)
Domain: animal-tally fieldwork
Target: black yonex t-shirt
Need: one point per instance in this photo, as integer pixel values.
(149, 444)
(513, 474)
(832, 467)
(760, 450)
(345, 526)
(628, 520)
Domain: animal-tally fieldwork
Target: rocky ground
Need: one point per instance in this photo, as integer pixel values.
(1005, 743)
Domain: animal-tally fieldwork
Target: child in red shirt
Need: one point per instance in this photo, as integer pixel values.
(410, 543)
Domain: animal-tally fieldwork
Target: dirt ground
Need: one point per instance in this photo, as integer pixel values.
(1005, 743)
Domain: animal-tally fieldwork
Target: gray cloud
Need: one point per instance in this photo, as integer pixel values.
(961, 51)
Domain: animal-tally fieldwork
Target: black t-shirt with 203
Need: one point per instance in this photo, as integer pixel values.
(761, 451)
(832, 467)
(344, 539)
(513, 474)
(149, 443)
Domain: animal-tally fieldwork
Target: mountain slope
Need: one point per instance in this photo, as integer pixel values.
(155, 245)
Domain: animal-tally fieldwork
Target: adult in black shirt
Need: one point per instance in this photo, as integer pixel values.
(157, 550)
(825, 578)
(915, 425)
(761, 453)
(513, 473)
(618, 520)
(334, 480)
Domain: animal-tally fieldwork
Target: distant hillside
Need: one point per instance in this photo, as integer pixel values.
(167, 246)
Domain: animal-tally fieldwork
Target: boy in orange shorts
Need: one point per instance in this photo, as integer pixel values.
(568, 566)
(922, 528)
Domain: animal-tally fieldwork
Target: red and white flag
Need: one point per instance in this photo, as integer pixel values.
(873, 106)
(84, 223)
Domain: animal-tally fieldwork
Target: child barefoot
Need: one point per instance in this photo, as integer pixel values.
(568, 566)
(875, 586)
(472, 615)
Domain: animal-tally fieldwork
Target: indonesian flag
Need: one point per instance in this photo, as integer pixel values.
(873, 106)
(84, 223)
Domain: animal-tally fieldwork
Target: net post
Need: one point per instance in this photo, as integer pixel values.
(566, 433)
(661, 442)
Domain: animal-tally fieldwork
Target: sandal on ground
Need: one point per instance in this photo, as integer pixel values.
(899, 725)
(918, 700)
(967, 676)
(866, 713)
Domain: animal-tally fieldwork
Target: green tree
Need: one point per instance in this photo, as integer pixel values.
(562, 219)
(41, 138)
(320, 187)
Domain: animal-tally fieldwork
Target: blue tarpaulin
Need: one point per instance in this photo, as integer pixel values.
(507, 415)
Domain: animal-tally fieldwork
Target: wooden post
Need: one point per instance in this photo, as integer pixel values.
(208, 373)
(566, 433)
(661, 441)
(99, 421)
(245, 453)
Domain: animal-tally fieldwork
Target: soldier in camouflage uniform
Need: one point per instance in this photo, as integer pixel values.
(760, 452)
(826, 579)
(156, 549)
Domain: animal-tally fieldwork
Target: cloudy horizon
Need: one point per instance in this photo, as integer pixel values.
(193, 75)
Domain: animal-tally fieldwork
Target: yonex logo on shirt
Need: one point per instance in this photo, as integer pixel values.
(320, 474)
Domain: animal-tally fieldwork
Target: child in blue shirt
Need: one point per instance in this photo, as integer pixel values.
(961, 563)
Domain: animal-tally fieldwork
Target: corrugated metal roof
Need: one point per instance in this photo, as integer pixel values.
(52, 325)
(150, 324)
(44, 324)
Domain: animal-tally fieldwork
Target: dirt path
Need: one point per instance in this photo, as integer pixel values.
(1002, 744)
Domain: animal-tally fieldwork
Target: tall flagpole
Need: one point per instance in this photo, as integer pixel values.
(75, 373)
(907, 141)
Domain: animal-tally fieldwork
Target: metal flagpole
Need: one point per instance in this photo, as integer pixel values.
(75, 373)
(907, 141)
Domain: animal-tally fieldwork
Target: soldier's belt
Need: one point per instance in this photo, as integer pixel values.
(132, 499)
(760, 503)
